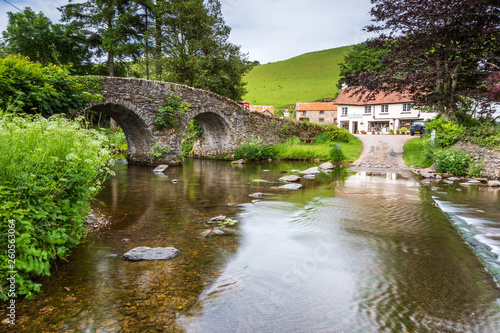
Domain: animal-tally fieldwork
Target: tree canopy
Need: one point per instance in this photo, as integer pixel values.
(439, 51)
(35, 36)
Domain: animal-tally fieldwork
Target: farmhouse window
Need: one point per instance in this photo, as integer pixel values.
(368, 109)
(406, 107)
(322, 112)
(384, 109)
(344, 111)
(303, 113)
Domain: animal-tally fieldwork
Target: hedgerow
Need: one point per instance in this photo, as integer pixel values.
(49, 170)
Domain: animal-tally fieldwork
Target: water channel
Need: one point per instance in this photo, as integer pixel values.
(349, 252)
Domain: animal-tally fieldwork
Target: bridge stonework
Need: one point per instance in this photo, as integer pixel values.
(132, 103)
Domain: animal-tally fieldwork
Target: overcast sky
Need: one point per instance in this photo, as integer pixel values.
(268, 30)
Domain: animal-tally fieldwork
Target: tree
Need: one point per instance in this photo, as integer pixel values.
(361, 58)
(110, 27)
(197, 49)
(439, 51)
(35, 36)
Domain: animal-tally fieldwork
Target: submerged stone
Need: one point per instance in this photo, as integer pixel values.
(148, 253)
(291, 186)
(311, 171)
(291, 178)
(160, 168)
(326, 166)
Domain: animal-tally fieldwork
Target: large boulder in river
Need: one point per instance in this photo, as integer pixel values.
(292, 178)
(148, 253)
(326, 166)
(311, 171)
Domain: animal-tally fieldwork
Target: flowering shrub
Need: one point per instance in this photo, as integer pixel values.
(49, 170)
(336, 154)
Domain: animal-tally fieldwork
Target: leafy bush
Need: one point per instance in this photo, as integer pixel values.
(336, 154)
(169, 115)
(253, 151)
(447, 132)
(193, 131)
(49, 170)
(476, 168)
(484, 134)
(338, 134)
(403, 130)
(32, 88)
(322, 139)
(453, 161)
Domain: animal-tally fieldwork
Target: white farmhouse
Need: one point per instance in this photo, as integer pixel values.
(380, 114)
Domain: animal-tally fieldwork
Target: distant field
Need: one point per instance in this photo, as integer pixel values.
(305, 78)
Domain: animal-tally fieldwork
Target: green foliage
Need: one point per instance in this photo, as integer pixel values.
(362, 58)
(253, 151)
(403, 130)
(171, 112)
(295, 149)
(227, 223)
(338, 134)
(476, 167)
(108, 27)
(419, 152)
(34, 35)
(90, 83)
(30, 87)
(49, 170)
(484, 134)
(305, 78)
(193, 132)
(453, 160)
(336, 154)
(322, 139)
(447, 132)
(159, 150)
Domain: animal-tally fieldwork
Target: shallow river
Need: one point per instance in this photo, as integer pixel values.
(349, 252)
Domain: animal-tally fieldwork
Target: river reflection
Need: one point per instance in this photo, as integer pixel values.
(349, 252)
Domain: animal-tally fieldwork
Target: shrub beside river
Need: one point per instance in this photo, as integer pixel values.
(49, 171)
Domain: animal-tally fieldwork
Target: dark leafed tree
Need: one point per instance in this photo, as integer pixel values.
(33, 35)
(110, 27)
(439, 51)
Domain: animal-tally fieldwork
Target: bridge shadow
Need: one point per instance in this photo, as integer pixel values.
(137, 132)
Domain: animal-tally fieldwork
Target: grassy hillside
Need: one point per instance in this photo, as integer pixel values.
(305, 78)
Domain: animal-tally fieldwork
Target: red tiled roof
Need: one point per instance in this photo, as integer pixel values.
(262, 108)
(318, 106)
(348, 96)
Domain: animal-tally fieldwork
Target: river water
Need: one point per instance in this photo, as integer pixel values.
(349, 252)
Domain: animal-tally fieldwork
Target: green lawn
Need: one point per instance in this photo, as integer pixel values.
(299, 151)
(415, 153)
(305, 78)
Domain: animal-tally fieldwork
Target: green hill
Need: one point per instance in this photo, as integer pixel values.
(305, 78)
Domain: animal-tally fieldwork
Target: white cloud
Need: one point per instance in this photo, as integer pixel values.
(269, 30)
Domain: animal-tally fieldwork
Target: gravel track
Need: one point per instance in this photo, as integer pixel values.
(382, 152)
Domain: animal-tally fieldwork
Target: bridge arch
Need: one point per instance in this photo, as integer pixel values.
(137, 132)
(132, 103)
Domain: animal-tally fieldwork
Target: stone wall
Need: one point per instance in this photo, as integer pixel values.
(490, 156)
(226, 124)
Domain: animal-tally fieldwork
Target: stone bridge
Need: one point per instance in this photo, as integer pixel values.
(132, 103)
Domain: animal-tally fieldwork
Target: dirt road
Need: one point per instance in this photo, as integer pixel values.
(382, 152)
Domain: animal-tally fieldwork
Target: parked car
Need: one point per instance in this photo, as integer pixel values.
(417, 127)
